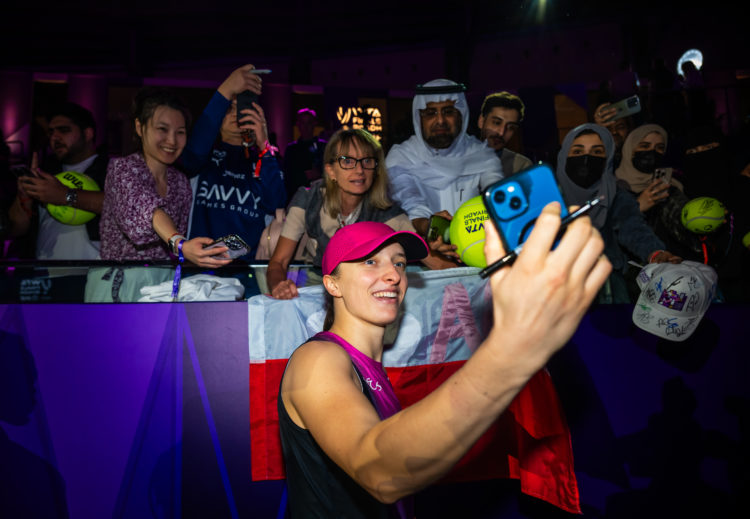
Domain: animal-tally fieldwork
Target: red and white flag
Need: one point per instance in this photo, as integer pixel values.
(446, 315)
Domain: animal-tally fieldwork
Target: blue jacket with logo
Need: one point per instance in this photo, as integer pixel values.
(227, 199)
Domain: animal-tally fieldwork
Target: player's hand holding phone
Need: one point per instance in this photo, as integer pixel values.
(539, 301)
(515, 202)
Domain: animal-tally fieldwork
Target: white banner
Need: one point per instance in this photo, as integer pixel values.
(444, 317)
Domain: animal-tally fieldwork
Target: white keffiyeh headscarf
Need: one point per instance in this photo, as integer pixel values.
(466, 156)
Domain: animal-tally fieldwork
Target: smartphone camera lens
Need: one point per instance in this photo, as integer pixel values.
(515, 203)
(499, 197)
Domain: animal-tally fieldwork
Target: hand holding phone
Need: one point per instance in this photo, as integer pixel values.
(511, 256)
(623, 108)
(515, 202)
(245, 101)
(439, 228)
(236, 245)
(604, 113)
(663, 174)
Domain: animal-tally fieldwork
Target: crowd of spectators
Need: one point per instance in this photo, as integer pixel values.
(357, 213)
(187, 185)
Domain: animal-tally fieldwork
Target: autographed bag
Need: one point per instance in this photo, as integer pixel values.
(270, 237)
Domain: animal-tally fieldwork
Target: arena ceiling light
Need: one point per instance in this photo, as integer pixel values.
(693, 55)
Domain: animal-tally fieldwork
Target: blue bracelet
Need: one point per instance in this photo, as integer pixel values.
(178, 271)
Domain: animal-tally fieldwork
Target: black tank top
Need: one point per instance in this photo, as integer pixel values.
(317, 487)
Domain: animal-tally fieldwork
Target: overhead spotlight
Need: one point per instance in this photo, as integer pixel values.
(693, 55)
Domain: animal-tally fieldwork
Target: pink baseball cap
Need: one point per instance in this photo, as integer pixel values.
(361, 239)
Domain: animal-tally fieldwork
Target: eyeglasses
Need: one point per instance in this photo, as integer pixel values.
(351, 163)
(431, 113)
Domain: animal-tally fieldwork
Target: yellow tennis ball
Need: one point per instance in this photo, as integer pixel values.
(703, 215)
(73, 215)
(467, 232)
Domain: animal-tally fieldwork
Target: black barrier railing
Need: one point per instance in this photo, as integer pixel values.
(64, 281)
(5, 264)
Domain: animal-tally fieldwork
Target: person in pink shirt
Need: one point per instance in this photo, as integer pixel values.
(147, 202)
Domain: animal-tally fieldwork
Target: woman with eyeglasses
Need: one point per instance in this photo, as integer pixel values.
(354, 189)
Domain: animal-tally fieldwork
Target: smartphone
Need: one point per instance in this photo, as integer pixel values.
(515, 202)
(663, 174)
(439, 226)
(236, 245)
(625, 107)
(245, 101)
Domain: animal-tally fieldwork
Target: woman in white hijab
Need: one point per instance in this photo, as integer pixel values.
(661, 202)
(642, 154)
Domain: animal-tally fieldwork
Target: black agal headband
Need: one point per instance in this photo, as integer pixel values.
(441, 89)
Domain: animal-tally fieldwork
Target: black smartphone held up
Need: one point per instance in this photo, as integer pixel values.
(515, 202)
(245, 101)
(625, 107)
(236, 245)
(439, 227)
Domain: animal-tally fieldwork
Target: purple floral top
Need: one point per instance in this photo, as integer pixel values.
(130, 199)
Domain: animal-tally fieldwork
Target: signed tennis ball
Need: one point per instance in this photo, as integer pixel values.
(72, 215)
(703, 215)
(467, 232)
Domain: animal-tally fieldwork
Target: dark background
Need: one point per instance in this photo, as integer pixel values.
(142, 36)
(329, 53)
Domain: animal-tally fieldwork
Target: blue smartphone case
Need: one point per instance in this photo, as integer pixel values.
(515, 202)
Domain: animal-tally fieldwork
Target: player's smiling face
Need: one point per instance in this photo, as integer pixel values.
(373, 288)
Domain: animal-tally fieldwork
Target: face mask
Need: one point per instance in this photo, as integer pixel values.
(705, 173)
(703, 162)
(647, 161)
(585, 170)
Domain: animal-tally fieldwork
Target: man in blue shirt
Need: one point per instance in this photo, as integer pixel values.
(236, 180)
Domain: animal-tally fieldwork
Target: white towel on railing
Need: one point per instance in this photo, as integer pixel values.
(199, 287)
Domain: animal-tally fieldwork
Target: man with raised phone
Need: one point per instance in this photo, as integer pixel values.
(237, 181)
